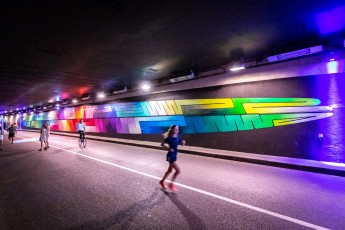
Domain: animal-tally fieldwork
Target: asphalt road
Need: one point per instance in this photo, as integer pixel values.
(112, 186)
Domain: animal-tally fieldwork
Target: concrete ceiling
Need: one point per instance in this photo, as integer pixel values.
(66, 48)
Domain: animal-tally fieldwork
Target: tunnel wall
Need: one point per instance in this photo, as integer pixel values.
(288, 117)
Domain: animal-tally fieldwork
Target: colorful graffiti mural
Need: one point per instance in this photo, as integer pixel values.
(193, 116)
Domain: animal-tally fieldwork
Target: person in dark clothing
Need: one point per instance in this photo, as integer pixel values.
(171, 143)
(11, 131)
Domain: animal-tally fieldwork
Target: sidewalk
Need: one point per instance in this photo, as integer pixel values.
(330, 168)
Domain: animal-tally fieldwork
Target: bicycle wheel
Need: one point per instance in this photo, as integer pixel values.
(80, 142)
(84, 142)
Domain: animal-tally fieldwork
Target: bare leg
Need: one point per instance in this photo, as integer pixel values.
(47, 144)
(41, 146)
(177, 170)
(170, 169)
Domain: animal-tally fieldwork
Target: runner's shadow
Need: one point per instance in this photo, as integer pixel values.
(124, 218)
(192, 219)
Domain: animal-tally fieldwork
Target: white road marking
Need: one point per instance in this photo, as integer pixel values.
(270, 213)
(26, 140)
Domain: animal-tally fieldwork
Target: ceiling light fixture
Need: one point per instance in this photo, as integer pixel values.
(296, 53)
(74, 101)
(237, 68)
(101, 95)
(146, 86)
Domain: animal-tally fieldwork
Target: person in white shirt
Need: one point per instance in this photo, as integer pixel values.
(43, 137)
(81, 127)
(48, 133)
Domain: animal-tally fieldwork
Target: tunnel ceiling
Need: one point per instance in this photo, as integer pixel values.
(66, 48)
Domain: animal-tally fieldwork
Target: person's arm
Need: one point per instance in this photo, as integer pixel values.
(182, 142)
(166, 146)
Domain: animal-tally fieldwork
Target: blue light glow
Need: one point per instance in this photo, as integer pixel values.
(331, 21)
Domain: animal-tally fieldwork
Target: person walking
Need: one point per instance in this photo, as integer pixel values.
(43, 137)
(11, 130)
(171, 142)
(48, 133)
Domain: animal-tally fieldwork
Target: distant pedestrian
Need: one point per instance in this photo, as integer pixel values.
(170, 143)
(43, 137)
(15, 128)
(11, 130)
(48, 133)
(1, 137)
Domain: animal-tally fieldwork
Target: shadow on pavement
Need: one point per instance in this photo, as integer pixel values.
(124, 218)
(194, 222)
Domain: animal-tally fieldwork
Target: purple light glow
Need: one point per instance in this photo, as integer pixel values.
(331, 21)
(333, 67)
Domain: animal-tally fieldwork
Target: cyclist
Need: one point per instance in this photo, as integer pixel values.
(81, 129)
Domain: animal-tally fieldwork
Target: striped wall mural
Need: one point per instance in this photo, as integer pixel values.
(193, 115)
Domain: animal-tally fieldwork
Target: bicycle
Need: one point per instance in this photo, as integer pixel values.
(82, 140)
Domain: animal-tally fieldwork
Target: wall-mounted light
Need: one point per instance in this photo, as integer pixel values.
(101, 95)
(332, 66)
(237, 68)
(146, 86)
(237, 65)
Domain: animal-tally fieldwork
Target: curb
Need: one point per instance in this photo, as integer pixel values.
(307, 168)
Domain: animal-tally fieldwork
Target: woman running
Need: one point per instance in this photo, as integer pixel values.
(170, 143)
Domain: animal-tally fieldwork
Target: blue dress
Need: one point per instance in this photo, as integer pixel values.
(173, 142)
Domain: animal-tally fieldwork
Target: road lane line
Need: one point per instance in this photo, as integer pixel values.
(261, 210)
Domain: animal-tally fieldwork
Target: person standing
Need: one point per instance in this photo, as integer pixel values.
(43, 137)
(170, 143)
(11, 130)
(1, 137)
(48, 133)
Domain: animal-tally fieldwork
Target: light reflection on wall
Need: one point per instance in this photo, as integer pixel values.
(333, 67)
(331, 90)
